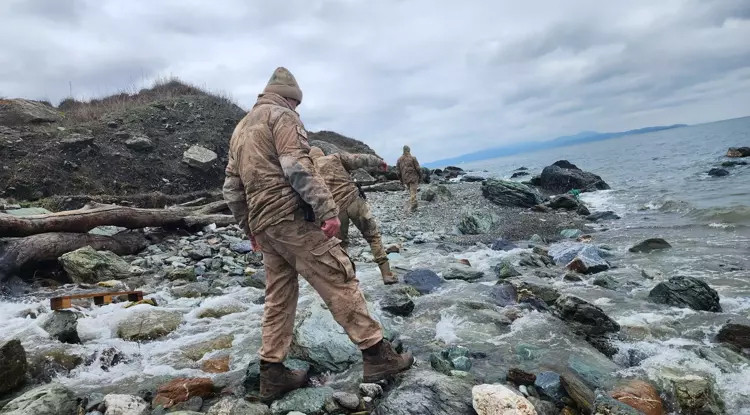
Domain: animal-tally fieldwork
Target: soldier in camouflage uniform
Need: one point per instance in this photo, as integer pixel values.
(334, 169)
(410, 174)
(270, 179)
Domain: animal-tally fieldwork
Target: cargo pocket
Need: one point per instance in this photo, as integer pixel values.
(332, 255)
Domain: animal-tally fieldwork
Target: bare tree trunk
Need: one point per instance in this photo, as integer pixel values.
(91, 216)
(17, 253)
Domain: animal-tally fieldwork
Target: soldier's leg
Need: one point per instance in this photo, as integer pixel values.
(344, 231)
(359, 213)
(413, 195)
(282, 291)
(328, 269)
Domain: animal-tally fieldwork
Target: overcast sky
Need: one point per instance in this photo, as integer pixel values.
(446, 77)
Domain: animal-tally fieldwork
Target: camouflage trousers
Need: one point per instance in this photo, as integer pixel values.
(412, 189)
(296, 246)
(359, 213)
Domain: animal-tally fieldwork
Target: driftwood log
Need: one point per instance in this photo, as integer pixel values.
(93, 215)
(18, 253)
(153, 200)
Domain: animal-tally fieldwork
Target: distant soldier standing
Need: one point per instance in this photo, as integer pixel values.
(273, 190)
(335, 168)
(410, 174)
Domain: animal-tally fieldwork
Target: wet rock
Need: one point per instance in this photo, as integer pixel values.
(471, 179)
(606, 405)
(504, 294)
(577, 390)
(232, 406)
(498, 399)
(148, 324)
(543, 407)
(255, 280)
(398, 301)
(606, 215)
(735, 334)
(50, 399)
(217, 365)
(361, 176)
(348, 401)
(88, 266)
(501, 244)
(139, 143)
(423, 392)
(715, 172)
(462, 272)
(519, 174)
(520, 377)
(181, 389)
(650, 245)
(125, 405)
(693, 394)
(196, 351)
(63, 326)
(510, 194)
(606, 281)
(221, 309)
(564, 201)
(193, 404)
(588, 261)
(563, 176)
(45, 366)
(564, 252)
(191, 290)
(733, 163)
(461, 363)
(371, 390)
(199, 157)
(183, 274)
(13, 366)
(423, 280)
(640, 395)
(505, 269)
(310, 401)
(535, 260)
(583, 316)
(24, 111)
(544, 292)
(549, 386)
(725, 359)
(572, 277)
(686, 292)
(571, 233)
(241, 247)
(474, 223)
(441, 364)
(738, 152)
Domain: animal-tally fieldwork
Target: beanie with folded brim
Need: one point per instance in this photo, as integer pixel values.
(282, 82)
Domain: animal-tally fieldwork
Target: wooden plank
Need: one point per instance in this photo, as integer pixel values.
(100, 298)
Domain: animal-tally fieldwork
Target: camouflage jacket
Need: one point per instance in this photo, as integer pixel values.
(269, 173)
(335, 170)
(408, 169)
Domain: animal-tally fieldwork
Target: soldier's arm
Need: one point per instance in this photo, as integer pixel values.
(419, 169)
(234, 194)
(292, 148)
(359, 161)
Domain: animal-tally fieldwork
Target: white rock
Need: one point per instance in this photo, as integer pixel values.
(125, 405)
(499, 400)
(199, 157)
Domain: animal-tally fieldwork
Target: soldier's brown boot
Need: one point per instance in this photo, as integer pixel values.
(385, 272)
(276, 380)
(381, 361)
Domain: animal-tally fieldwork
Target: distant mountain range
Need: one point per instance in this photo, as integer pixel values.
(568, 140)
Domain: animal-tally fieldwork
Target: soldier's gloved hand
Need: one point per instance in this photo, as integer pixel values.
(331, 227)
(254, 244)
(383, 166)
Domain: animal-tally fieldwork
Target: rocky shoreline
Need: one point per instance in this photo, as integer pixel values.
(487, 303)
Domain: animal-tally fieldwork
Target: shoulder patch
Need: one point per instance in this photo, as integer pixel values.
(302, 132)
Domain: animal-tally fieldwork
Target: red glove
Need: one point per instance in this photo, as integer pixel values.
(383, 166)
(331, 227)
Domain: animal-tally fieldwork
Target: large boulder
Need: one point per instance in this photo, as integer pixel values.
(735, 334)
(389, 186)
(398, 300)
(327, 147)
(125, 405)
(423, 280)
(498, 399)
(148, 324)
(588, 261)
(425, 392)
(650, 245)
(717, 172)
(24, 111)
(310, 401)
(584, 317)
(88, 266)
(13, 366)
(181, 390)
(474, 223)
(563, 176)
(50, 399)
(63, 326)
(462, 272)
(361, 176)
(738, 152)
(199, 157)
(641, 395)
(510, 194)
(692, 393)
(686, 292)
(318, 339)
(549, 386)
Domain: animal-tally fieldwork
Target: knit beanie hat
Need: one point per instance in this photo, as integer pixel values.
(282, 82)
(316, 152)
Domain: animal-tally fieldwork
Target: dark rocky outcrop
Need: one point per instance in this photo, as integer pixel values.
(738, 152)
(735, 334)
(563, 176)
(423, 280)
(510, 194)
(397, 301)
(606, 215)
(650, 245)
(13, 366)
(63, 326)
(686, 292)
(584, 317)
(502, 244)
(504, 294)
(715, 172)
